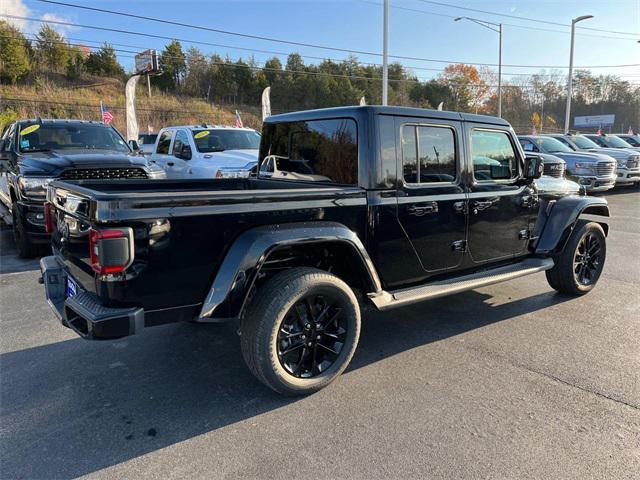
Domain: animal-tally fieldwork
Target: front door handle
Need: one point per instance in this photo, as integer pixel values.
(478, 206)
(421, 209)
(171, 164)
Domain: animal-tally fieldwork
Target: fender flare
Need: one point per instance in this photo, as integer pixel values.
(247, 254)
(562, 219)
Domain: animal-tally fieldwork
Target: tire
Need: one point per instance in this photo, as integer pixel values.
(573, 273)
(300, 330)
(26, 249)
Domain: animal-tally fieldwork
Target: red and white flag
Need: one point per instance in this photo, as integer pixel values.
(630, 132)
(107, 116)
(599, 132)
(534, 132)
(238, 120)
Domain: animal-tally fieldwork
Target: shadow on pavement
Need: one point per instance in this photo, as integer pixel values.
(9, 260)
(75, 407)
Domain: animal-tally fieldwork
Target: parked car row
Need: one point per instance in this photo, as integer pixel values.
(597, 162)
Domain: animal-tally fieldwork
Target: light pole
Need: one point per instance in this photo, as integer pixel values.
(496, 27)
(385, 53)
(567, 113)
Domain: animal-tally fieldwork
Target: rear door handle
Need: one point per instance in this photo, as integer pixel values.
(482, 205)
(171, 164)
(421, 209)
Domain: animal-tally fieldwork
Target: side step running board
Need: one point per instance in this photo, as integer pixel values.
(407, 296)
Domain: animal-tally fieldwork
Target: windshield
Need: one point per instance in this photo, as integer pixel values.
(584, 142)
(45, 137)
(551, 145)
(631, 140)
(615, 142)
(212, 140)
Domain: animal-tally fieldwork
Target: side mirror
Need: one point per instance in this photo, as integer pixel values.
(185, 153)
(533, 167)
(134, 145)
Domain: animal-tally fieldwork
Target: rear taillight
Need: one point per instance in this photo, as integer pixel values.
(49, 217)
(110, 251)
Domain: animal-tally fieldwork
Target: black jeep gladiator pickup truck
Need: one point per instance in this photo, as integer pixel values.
(34, 152)
(384, 205)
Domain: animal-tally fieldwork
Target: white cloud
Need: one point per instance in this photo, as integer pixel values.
(19, 9)
(15, 7)
(52, 17)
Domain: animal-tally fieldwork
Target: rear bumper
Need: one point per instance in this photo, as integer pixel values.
(83, 312)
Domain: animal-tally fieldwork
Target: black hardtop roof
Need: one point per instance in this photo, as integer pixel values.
(359, 111)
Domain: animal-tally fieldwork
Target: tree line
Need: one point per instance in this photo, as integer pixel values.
(533, 101)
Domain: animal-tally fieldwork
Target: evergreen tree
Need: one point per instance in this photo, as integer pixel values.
(52, 51)
(14, 54)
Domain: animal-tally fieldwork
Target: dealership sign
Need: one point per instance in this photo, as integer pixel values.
(147, 62)
(594, 121)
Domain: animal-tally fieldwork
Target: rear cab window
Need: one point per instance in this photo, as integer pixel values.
(493, 155)
(323, 151)
(428, 154)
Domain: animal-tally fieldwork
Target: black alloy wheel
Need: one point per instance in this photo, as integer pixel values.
(586, 261)
(312, 335)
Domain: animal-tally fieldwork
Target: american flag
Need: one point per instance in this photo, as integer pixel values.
(238, 120)
(107, 116)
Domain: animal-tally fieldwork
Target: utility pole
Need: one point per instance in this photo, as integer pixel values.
(496, 27)
(567, 112)
(385, 54)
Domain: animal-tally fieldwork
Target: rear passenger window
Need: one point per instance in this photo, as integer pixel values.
(494, 157)
(428, 154)
(164, 142)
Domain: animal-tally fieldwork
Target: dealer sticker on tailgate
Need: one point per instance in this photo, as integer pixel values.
(72, 287)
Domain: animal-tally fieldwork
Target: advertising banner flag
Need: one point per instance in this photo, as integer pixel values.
(266, 103)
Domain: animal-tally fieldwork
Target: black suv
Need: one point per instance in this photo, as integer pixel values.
(35, 152)
(400, 205)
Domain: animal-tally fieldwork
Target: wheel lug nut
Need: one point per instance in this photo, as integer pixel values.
(318, 337)
(308, 325)
(309, 343)
(304, 336)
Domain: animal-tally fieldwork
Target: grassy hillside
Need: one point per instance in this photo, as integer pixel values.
(51, 99)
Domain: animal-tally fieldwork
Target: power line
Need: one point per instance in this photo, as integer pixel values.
(506, 15)
(408, 67)
(360, 52)
(526, 27)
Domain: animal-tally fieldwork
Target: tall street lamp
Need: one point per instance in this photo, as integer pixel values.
(496, 27)
(567, 113)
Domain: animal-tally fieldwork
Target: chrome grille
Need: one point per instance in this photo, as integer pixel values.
(554, 170)
(633, 162)
(605, 169)
(103, 173)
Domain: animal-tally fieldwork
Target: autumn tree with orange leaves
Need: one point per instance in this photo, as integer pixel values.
(469, 87)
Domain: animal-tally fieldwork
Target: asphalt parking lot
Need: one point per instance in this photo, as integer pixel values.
(509, 381)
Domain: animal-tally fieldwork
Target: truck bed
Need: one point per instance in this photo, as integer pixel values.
(105, 201)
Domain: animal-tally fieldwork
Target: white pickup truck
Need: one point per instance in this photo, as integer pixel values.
(206, 151)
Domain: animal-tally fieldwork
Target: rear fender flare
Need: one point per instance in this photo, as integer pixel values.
(249, 251)
(562, 219)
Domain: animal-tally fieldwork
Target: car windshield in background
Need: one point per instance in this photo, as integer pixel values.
(147, 138)
(584, 142)
(615, 142)
(47, 137)
(212, 140)
(315, 150)
(551, 145)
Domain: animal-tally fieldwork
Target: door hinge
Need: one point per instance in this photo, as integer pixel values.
(524, 234)
(459, 246)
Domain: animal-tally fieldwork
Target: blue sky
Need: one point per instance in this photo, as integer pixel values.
(356, 24)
